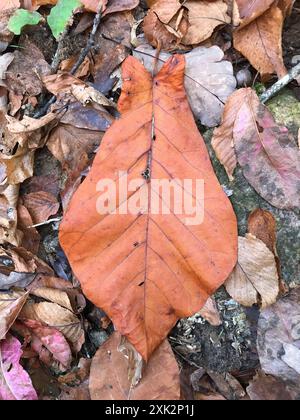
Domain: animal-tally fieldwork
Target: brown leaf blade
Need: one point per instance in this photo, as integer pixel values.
(109, 375)
(255, 278)
(260, 42)
(143, 267)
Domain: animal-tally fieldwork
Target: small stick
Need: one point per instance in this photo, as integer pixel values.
(84, 53)
(278, 86)
(47, 222)
(91, 42)
(57, 57)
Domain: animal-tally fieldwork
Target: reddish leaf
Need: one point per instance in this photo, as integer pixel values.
(147, 270)
(15, 383)
(49, 339)
(267, 153)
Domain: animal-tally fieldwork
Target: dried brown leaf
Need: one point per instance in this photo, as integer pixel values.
(109, 375)
(265, 34)
(10, 306)
(255, 278)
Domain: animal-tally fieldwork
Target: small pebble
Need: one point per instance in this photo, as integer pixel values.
(244, 78)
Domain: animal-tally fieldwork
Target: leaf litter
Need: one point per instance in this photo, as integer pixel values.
(54, 121)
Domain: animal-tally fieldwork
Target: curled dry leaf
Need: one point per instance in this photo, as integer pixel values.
(15, 383)
(15, 279)
(255, 278)
(27, 124)
(85, 94)
(115, 6)
(279, 337)
(209, 80)
(222, 141)
(156, 267)
(170, 23)
(260, 42)
(267, 153)
(10, 307)
(109, 375)
(57, 317)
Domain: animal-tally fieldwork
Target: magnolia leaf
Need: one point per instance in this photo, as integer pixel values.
(61, 14)
(22, 18)
(147, 268)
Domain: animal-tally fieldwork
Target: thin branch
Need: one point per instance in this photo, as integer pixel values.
(57, 57)
(278, 86)
(90, 44)
(47, 222)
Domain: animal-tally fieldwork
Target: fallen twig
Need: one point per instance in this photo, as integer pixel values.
(47, 222)
(57, 57)
(83, 55)
(269, 93)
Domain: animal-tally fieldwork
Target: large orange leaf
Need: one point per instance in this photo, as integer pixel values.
(147, 270)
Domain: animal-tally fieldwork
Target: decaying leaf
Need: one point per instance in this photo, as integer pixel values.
(279, 338)
(22, 77)
(10, 307)
(15, 383)
(49, 343)
(260, 42)
(109, 375)
(268, 388)
(209, 80)
(255, 278)
(156, 267)
(58, 317)
(267, 153)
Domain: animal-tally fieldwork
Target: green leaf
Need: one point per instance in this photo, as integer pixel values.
(22, 18)
(60, 16)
